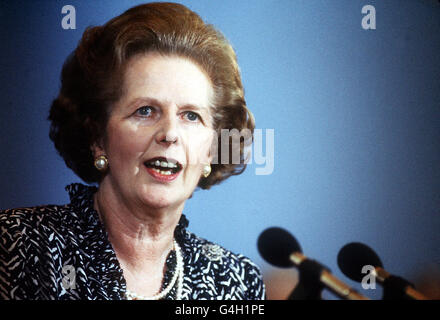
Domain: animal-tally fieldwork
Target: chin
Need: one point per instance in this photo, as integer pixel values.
(161, 196)
(161, 201)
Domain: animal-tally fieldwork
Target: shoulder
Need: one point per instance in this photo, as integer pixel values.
(32, 219)
(235, 275)
(36, 228)
(32, 225)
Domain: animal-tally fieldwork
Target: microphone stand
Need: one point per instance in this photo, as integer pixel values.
(309, 286)
(397, 288)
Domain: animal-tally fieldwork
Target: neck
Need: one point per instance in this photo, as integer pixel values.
(141, 236)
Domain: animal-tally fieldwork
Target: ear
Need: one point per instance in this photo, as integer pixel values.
(209, 157)
(97, 149)
(212, 146)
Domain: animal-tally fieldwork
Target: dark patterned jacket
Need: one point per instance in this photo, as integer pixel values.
(63, 252)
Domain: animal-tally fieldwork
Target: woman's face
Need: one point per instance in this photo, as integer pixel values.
(159, 133)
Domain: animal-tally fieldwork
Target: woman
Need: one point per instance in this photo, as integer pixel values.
(141, 100)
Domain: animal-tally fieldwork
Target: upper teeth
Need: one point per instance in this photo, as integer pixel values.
(164, 164)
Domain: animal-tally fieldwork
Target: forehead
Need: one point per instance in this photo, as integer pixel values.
(168, 79)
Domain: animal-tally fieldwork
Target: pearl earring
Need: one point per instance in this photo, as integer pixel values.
(206, 170)
(101, 163)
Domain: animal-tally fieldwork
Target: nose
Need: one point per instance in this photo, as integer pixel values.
(167, 132)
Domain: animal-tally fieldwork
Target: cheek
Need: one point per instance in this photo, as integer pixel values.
(125, 142)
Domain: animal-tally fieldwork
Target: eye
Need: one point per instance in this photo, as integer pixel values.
(192, 116)
(145, 111)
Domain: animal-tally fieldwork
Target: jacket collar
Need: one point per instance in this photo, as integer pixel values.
(105, 277)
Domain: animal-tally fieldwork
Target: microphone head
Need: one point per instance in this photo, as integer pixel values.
(276, 245)
(353, 257)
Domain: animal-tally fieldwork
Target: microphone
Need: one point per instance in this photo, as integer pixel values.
(354, 256)
(278, 247)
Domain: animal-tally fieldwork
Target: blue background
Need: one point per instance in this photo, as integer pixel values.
(355, 114)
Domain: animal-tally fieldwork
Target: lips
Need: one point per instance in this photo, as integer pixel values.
(163, 169)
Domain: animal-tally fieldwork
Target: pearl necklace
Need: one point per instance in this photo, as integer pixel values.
(177, 276)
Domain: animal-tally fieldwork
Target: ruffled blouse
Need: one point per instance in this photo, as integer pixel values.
(63, 253)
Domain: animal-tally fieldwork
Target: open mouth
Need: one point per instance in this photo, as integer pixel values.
(164, 166)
